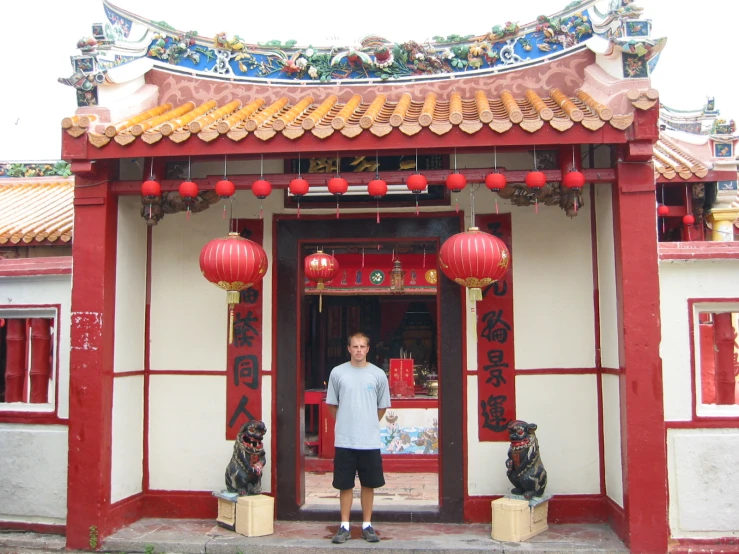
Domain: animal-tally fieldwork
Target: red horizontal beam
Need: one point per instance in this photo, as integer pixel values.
(80, 148)
(434, 177)
(24, 267)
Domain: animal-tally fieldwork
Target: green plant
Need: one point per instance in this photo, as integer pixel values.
(149, 549)
(93, 537)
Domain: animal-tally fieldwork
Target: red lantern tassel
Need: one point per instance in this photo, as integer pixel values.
(536, 205)
(298, 209)
(378, 212)
(496, 206)
(416, 205)
(188, 213)
(456, 205)
(261, 211)
(224, 212)
(337, 209)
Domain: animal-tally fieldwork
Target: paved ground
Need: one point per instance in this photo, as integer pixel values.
(203, 536)
(408, 489)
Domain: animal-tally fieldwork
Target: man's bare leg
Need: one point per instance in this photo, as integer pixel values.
(345, 501)
(368, 499)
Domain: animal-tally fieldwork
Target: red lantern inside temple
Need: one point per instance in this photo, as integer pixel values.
(233, 263)
(474, 259)
(298, 188)
(377, 188)
(337, 186)
(321, 268)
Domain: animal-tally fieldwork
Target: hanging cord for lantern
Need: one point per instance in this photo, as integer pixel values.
(261, 177)
(495, 169)
(424, 257)
(456, 198)
(416, 168)
(151, 178)
(536, 198)
(472, 205)
(189, 163)
(574, 168)
(225, 176)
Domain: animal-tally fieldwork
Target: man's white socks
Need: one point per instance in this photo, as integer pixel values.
(366, 524)
(345, 525)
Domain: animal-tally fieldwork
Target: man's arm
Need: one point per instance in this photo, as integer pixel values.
(332, 410)
(380, 413)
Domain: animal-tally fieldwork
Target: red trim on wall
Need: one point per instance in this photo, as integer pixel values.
(44, 528)
(617, 519)
(193, 373)
(719, 545)
(640, 386)
(125, 512)
(575, 508)
(699, 250)
(128, 373)
(24, 267)
(705, 423)
(610, 371)
(32, 418)
(91, 357)
(179, 505)
(557, 371)
(273, 267)
(147, 359)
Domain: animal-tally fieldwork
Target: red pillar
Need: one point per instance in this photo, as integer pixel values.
(40, 359)
(15, 359)
(724, 355)
(643, 448)
(91, 357)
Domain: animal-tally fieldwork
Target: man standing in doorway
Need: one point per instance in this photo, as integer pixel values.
(358, 395)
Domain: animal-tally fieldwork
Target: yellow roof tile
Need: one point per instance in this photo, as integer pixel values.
(36, 210)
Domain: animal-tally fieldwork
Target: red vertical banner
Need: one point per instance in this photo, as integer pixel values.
(496, 373)
(244, 369)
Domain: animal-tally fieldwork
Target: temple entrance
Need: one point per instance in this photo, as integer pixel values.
(420, 429)
(403, 343)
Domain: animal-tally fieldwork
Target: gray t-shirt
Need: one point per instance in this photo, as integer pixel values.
(359, 392)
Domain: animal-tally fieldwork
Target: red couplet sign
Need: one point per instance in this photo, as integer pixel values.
(244, 369)
(496, 382)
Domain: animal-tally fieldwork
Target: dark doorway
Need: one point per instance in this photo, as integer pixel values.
(290, 383)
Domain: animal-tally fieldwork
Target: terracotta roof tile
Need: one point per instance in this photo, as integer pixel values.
(36, 210)
(324, 116)
(670, 160)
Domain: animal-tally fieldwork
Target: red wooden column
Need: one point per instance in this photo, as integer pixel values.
(643, 449)
(91, 356)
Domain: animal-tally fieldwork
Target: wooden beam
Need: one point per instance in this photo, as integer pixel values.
(434, 177)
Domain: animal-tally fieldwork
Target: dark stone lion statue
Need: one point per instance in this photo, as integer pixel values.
(525, 470)
(244, 471)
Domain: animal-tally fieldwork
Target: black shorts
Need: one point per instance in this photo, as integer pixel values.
(367, 463)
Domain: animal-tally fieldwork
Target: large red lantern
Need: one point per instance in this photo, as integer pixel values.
(377, 188)
(233, 263)
(474, 259)
(321, 268)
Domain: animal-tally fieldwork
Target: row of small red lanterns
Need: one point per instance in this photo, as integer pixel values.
(664, 211)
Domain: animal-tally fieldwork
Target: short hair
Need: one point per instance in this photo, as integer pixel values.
(357, 336)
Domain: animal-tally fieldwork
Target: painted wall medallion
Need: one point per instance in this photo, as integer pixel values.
(431, 277)
(377, 277)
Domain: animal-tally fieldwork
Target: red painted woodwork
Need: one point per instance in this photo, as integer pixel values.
(496, 364)
(706, 367)
(91, 358)
(244, 355)
(22, 267)
(563, 509)
(434, 177)
(640, 384)
(126, 512)
(43, 528)
(617, 518)
(40, 370)
(15, 366)
(597, 337)
(179, 505)
(724, 336)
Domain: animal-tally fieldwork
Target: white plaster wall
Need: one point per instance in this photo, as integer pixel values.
(127, 452)
(703, 487)
(130, 293)
(565, 409)
(33, 473)
(612, 438)
(680, 280)
(45, 289)
(606, 276)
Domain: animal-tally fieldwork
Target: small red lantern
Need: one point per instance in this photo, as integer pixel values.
(321, 268)
(337, 186)
(151, 189)
(495, 182)
(233, 263)
(417, 183)
(688, 219)
(298, 188)
(535, 180)
(377, 188)
(188, 191)
(225, 189)
(261, 188)
(455, 182)
(574, 180)
(663, 210)
(474, 259)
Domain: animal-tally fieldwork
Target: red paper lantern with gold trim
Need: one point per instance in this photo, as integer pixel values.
(474, 259)
(321, 268)
(233, 263)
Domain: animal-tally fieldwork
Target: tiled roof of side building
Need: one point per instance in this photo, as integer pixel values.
(38, 210)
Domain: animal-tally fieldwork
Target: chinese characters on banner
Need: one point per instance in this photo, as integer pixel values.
(496, 382)
(244, 371)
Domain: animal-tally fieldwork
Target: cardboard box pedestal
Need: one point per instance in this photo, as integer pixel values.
(516, 519)
(255, 515)
(226, 509)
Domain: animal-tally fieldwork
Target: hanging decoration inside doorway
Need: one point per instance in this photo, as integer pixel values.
(337, 185)
(261, 188)
(151, 190)
(474, 259)
(417, 183)
(397, 277)
(321, 268)
(225, 188)
(535, 180)
(495, 181)
(455, 182)
(188, 190)
(299, 187)
(574, 180)
(233, 263)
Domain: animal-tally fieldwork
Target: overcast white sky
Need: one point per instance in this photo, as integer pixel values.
(39, 36)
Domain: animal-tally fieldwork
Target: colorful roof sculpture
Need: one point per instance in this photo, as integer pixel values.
(36, 210)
